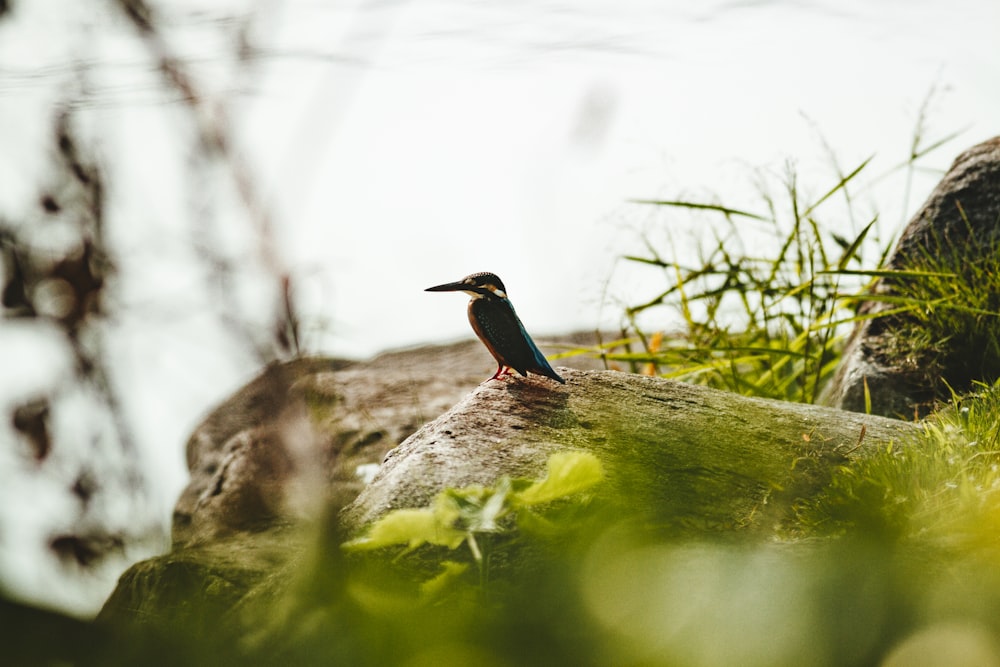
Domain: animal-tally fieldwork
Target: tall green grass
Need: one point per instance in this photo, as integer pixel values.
(766, 323)
(765, 308)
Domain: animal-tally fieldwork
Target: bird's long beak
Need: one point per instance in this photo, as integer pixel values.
(448, 287)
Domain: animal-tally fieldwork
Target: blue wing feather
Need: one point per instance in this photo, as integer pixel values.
(501, 330)
(540, 359)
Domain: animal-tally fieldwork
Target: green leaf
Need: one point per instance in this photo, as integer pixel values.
(535, 524)
(725, 210)
(839, 186)
(450, 572)
(851, 250)
(478, 509)
(457, 515)
(600, 349)
(889, 273)
(412, 527)
(568, 473)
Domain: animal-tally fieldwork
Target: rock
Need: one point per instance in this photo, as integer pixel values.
(196, 588)
(687, 454)
(958, 225)
(695, 458)
(244, 454)
(295, 436)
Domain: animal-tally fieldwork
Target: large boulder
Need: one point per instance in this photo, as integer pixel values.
(690, 457)
(903, 364)
(305, 432)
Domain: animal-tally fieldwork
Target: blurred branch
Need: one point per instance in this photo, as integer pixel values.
(64, 283)
(217, 144)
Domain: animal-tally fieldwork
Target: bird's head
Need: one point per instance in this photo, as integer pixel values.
(477, 285)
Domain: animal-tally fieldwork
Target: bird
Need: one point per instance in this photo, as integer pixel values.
(492, 317)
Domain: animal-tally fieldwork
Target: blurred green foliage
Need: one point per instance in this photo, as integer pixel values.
(897, 558)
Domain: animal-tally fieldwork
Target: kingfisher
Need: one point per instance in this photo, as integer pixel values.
(492, 317)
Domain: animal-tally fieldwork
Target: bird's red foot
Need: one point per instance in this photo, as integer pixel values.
(502, 372)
